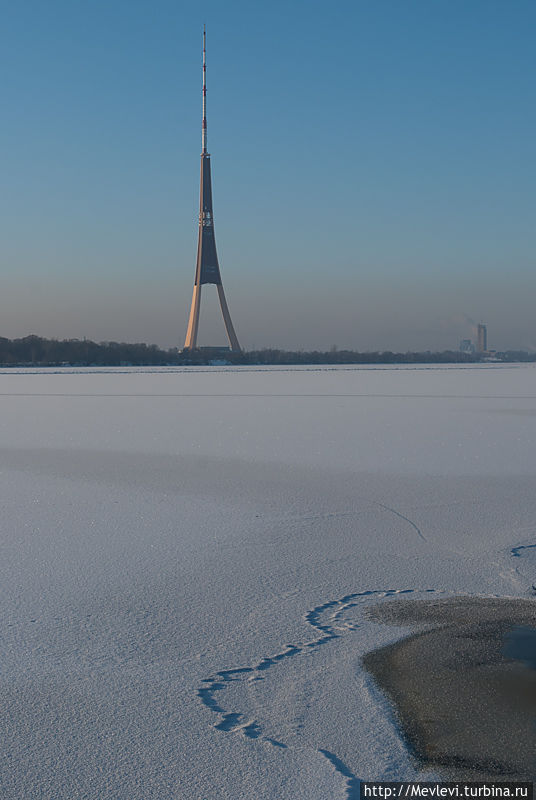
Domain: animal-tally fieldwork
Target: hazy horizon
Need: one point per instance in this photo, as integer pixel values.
(373, 172)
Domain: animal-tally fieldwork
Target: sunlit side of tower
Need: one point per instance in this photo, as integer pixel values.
(207, 269)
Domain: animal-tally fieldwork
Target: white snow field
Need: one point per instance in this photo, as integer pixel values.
(186, 555)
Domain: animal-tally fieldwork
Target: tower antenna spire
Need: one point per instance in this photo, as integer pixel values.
(204, 128)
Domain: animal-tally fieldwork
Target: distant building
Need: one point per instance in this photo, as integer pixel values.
(466, 346)
(482, 338)
(214, 351)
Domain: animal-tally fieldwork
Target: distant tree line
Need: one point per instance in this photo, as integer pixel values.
(269, 356)
(36, 351)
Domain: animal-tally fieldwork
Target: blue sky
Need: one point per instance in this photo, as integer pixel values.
(373, 167)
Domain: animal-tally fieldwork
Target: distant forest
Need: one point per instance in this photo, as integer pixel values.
(36, 351)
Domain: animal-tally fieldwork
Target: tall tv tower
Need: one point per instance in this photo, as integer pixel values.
(207, 269)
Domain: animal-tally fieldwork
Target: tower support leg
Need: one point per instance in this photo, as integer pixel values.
(233, 341)
(193, 322)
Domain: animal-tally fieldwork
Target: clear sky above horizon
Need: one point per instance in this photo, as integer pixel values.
(373, 167)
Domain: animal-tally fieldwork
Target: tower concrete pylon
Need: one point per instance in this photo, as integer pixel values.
(207, 268)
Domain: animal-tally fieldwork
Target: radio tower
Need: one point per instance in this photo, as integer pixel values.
(207, 269)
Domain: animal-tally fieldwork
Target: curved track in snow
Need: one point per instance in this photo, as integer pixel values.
(329, 622)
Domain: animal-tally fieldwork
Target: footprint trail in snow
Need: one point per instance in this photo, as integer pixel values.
(330, 621)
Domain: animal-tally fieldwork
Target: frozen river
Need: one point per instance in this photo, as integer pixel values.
(186, 556)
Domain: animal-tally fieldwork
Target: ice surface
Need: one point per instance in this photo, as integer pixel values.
(186, 555)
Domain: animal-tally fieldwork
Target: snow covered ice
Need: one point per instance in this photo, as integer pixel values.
(186, 555)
